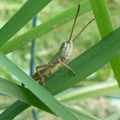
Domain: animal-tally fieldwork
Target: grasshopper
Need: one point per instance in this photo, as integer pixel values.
(62, 57)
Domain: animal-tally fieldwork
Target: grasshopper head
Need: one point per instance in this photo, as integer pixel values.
(66, 51)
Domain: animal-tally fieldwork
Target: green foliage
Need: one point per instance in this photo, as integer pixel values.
(37, 89)
(28, 11)
(115, 116)
(53, 84)
(84, 65)
(45, 27)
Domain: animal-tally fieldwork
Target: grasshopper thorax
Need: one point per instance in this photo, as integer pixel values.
(66, 51)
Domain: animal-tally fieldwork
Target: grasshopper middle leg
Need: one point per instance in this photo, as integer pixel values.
(42, 72)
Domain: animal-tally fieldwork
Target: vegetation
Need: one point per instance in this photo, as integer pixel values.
(62, 92)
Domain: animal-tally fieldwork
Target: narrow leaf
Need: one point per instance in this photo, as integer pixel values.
(27, 12)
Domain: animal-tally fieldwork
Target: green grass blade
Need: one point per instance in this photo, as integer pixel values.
(88, 62)
(115, 63)
(83, 115)
(104, 23)
(18, 108)
(115, 116)
(27, 12)
(28, 97)
(46, 27)
(21, 93)
(38, 90)
(102, 89)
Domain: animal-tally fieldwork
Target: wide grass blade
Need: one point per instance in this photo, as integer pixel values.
(104, 23)
(24, 15)
(46, 27)
(84, 65)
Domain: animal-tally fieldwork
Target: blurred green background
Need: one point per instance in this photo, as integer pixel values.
(48, 45)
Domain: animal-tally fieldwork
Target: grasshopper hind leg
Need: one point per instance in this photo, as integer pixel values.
(65, 65)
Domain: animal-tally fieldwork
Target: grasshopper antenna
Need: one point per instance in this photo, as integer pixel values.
(83, 29)
(74, 22)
